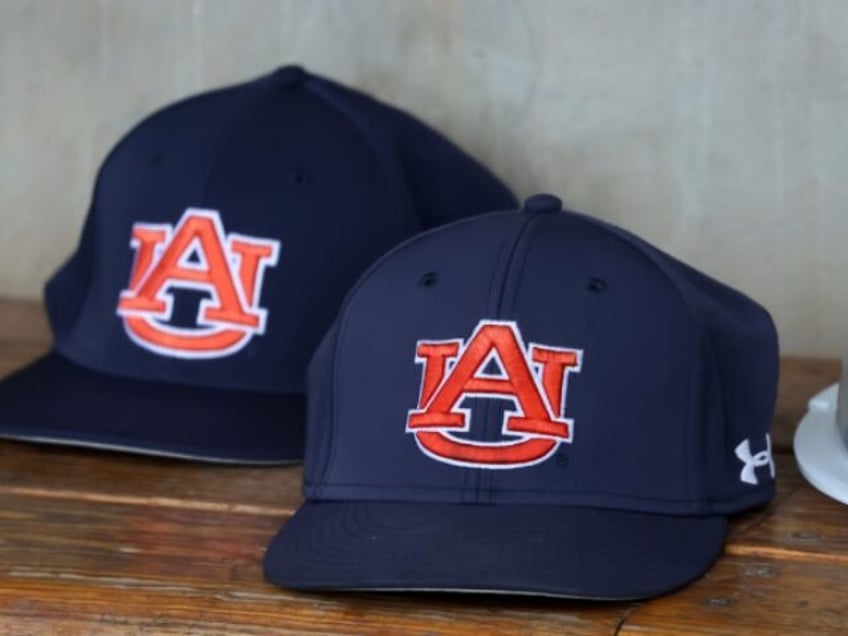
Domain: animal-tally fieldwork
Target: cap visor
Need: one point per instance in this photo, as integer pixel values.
(520, 549)
(56, 401)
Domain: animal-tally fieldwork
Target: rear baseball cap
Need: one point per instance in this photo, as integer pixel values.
(223, 233)
(532, 403)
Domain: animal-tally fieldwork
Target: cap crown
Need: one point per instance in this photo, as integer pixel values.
(225, 229)
(542, 358)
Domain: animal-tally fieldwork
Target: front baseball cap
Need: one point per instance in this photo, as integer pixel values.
(534, 403)
(224, 231)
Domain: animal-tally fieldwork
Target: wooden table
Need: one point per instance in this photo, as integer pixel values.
(102, 543)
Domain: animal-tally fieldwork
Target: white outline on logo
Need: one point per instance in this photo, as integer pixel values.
(535, 372)
(204, 327)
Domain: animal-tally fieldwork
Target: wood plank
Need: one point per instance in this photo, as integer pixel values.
(82, 475)
(94, 542)
(82, 541)
(183, 552)
(61, 473)
(745, 595)
(801, 523)
(56, 472)
(788, 481)
(87, 568)
(66, 608)
(807, 526)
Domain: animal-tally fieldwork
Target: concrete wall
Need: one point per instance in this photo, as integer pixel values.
(715, 129)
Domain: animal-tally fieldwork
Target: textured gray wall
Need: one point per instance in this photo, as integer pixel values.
(714, 129)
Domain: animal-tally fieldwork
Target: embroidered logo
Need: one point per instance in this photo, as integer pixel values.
(195, 254)
(535, 378)
(751, 462)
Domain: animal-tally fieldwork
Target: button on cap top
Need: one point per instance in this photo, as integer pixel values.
(288, 75)
(540, 203)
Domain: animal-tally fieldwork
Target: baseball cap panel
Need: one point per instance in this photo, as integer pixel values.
(307, 180)
(549, 299)
(741, 349)
(123, 191)
(339, 210)
(54, 400)
(444, 280)
(632, 400)
(527, 549)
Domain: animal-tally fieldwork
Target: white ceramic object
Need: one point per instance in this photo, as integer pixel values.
(820, 450)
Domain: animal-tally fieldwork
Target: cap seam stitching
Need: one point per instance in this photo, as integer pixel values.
(236, 132)
(343, 320)
(484, 480)
(617, 233)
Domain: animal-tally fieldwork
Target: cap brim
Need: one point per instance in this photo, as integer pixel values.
(56, 401)
(819, 448)
(559, 551)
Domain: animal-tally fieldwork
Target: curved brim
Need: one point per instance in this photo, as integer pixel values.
(519, 549)
(820, 450)
(56, 401)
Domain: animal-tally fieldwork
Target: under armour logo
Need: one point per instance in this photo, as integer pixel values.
(752, 462)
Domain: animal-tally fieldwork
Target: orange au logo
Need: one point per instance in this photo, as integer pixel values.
(196, 254)
(535, 378)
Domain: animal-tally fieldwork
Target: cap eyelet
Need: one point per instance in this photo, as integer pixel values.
(157, 159)
(429, 279)
(299, 176)
(596, 285)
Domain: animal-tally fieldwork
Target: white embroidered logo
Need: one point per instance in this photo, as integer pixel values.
(752, 462)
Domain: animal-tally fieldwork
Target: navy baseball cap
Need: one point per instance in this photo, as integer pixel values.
(533, 403)
(223, 233)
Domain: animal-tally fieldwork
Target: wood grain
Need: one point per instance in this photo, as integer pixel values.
(788, 481)
(65, 608)
(743, 595)
(807, 526)
(58, 472)
(116, 567)
(109, 543)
